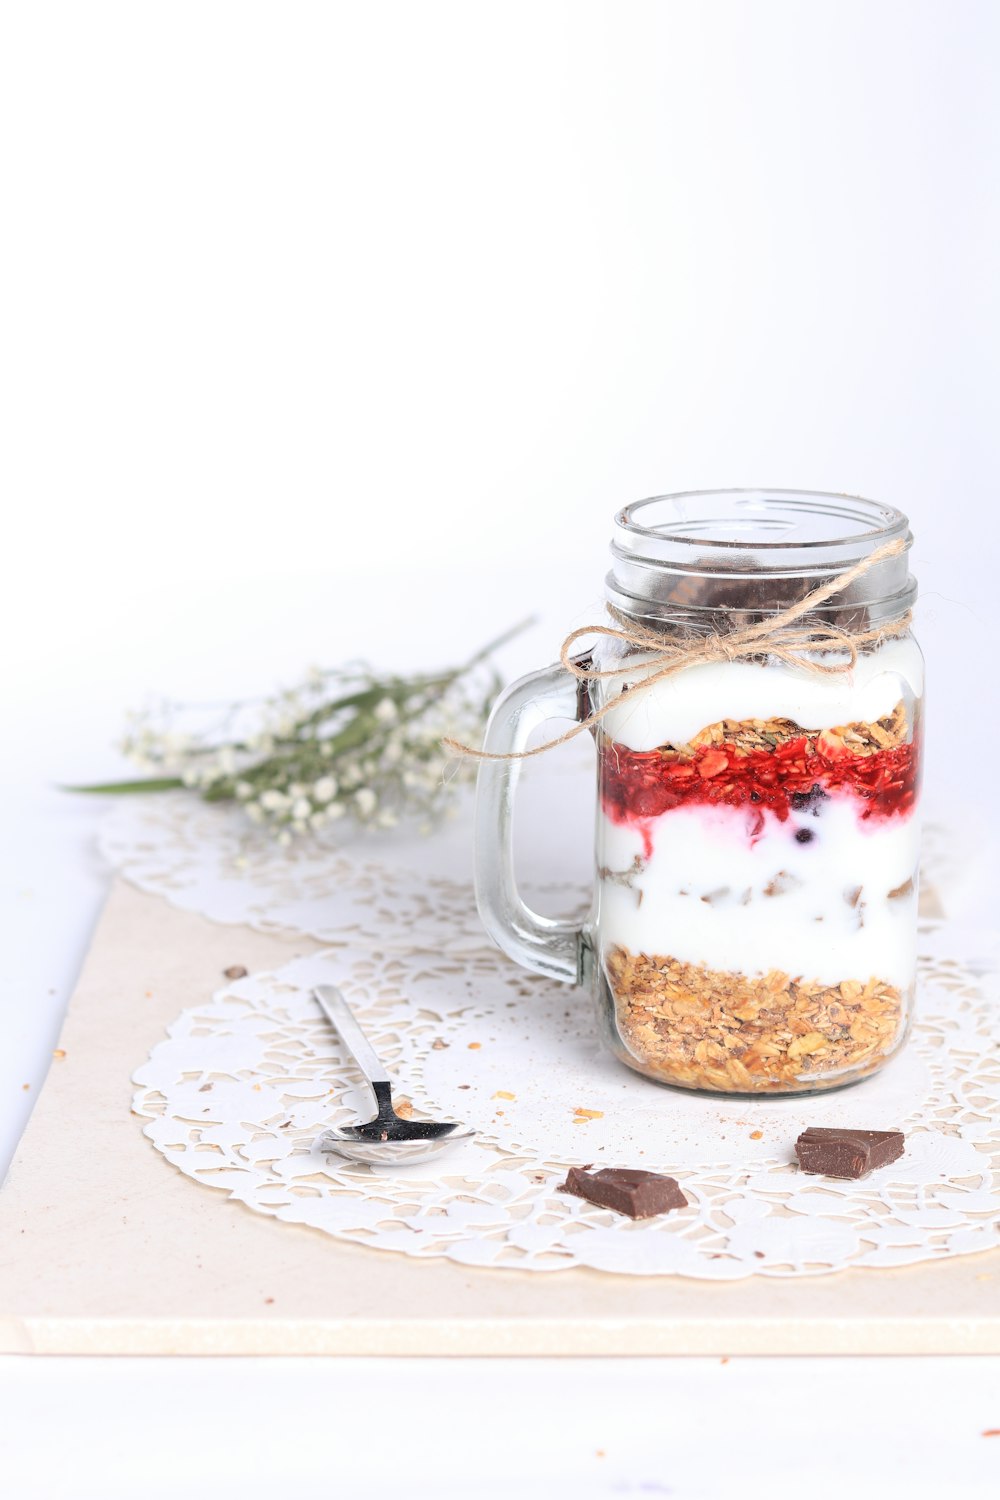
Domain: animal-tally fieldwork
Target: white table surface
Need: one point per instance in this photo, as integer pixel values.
(682, 1427)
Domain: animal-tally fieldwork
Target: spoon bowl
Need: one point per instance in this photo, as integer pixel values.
(386, 1140)
(376, 1146)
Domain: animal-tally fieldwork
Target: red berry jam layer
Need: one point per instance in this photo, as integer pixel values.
(780, 778)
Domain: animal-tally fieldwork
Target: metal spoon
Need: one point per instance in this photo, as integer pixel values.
(387, 1140)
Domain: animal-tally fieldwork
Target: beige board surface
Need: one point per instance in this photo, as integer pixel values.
(106, 1248)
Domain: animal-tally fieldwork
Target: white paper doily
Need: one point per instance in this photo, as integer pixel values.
(238, 1095)
(209, 859)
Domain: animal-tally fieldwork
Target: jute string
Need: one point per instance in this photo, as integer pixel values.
(778, 636)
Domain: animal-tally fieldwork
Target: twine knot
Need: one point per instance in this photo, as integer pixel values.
(779, 636)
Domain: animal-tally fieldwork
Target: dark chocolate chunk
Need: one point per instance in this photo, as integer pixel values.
(640, 1195)
(847, 1153)
(741, 599)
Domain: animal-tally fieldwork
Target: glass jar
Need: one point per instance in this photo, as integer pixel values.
(753, 927)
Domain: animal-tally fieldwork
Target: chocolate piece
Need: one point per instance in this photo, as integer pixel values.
(847, 1153)
(640, 1195)
(742, 599)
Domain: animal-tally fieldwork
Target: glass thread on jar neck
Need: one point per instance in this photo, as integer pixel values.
(715, 560)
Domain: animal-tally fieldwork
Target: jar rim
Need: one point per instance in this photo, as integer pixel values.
(886, 521)
(788, 542)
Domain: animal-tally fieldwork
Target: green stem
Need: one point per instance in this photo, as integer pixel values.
(151, 784)
(361, 728)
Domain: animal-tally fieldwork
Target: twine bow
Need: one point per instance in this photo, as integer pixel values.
(778, 636)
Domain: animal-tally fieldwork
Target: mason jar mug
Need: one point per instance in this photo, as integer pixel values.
(756, 706)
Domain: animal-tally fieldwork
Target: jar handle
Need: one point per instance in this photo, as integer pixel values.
(544, 944)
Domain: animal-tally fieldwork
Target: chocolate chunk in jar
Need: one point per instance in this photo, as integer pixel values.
(847, 1153)
(638, 1194)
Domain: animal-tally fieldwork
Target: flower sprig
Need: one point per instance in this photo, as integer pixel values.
(345, 743)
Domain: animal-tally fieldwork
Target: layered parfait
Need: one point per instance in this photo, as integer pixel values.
(757, 853)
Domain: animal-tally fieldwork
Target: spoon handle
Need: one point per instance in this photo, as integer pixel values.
(340, 1015)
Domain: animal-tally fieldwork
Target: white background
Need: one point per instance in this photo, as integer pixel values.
(345, 328)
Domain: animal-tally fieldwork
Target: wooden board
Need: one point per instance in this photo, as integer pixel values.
(105, 1248)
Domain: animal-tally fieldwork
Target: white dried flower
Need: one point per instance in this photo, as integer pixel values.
(343, 743)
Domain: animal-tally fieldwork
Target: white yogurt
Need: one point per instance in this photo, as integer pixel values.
(709, 896)
(673, 711)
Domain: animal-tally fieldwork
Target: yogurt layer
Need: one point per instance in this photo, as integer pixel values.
(672, 712)
(823, 909)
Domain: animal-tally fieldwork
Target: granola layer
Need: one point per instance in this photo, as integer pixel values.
(733, 1033)
(748, 735)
